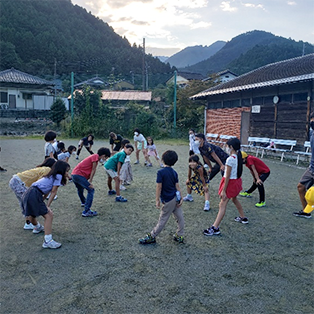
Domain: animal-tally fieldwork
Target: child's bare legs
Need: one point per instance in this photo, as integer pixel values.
(238, 206)
(33, 220)
(48, 222)
(302, 191)
(221, 212)
(158, 160)
(137, 154)
(188, 190)
(145, 155)
(117, 184)
(109, 183)
(206, 196)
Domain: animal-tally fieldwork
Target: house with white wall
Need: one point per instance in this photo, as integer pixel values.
(19, 90)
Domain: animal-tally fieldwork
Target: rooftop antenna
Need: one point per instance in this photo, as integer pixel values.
(303, 49)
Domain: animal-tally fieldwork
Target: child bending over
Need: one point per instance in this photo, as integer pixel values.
(152, 151)
(126, 174)
(34, 205)
(198, 182)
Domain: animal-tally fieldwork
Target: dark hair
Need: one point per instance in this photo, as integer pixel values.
(312, 115)
(48, 162)
(236, 144)
(61, 145)
(112, 135)
(200, 135)
(71, 148)
(104, 151)
(196, 159)
(124, 142)
(192, 130)
(170, 157)
(129, 146)
(90, 135)
(151, 139)
(60, 167)
(50, 136)
(137, 130)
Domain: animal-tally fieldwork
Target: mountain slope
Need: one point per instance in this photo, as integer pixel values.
(36, 34)
(192, 55)
(242, 44)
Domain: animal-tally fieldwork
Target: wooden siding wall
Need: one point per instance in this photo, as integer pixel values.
(284, 120)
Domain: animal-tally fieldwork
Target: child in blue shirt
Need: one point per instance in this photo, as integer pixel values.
(168, 192)
(112, 167)
(33, 201)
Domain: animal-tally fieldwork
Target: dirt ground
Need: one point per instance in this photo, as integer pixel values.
(263, 267)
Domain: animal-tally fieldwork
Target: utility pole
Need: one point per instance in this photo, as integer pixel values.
(175, 101)
(54, 78)
(143, 66)
(72, 111)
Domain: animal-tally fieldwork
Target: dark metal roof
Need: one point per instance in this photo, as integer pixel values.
(283, 72)
(17, 77)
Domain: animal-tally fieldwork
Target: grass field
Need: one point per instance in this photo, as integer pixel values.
(263, 267)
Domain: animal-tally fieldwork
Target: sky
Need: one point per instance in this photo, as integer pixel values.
(169, 26)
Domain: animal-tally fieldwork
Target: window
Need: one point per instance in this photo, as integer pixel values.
(27, 96)
(4, 97)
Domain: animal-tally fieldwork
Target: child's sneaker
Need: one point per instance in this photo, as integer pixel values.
(122, 187)
(112, 192)
(149, 165)
(137, 162)
(38, 229)
(245, 194)
(82, 205)
(177, 238)
(243, 220)
(121, 199)
(77, 158)
(89, 213)
(206, 207)
(29, 226)
(261, 204)
(211, 231)
(161, 165)
(147, 240)
(52, 244)
(301, 213)
(188, 198)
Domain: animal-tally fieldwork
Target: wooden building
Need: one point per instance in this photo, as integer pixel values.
(273, 101)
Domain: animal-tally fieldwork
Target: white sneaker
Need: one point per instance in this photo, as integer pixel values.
(52, 244)
(188, 198)
(122, 188)
(29, 226)
(38, 229)
(206, 207)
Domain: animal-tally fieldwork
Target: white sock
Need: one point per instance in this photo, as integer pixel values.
(48, 237)
(206, 202)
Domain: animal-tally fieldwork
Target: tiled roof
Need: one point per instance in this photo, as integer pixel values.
(283, 72)
(126, 95)
(191, 76)
(93, 81)
(14, 76)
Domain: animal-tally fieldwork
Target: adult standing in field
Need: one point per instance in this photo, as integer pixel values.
(307, 180)
(140, 144)
(115, 142)
(211, 153)
(86, 142)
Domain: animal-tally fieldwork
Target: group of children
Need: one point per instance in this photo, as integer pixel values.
(32, 186)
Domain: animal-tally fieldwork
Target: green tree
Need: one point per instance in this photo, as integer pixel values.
(58, 111)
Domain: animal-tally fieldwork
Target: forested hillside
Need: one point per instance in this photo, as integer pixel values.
(249, 51)
(36, 34)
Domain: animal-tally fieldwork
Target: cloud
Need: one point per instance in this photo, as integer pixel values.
(252, 5)
(225, 5)
(291, 3)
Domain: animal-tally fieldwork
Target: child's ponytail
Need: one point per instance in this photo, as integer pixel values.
(236, 144)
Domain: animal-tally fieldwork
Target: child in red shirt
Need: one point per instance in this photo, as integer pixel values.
(260, 173)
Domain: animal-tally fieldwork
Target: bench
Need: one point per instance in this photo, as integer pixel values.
(224, 138)
(212, 137)
(306, 153)
(288, 143)
(254, 143)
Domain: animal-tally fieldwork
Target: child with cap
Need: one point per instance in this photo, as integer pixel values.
(260, 173)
